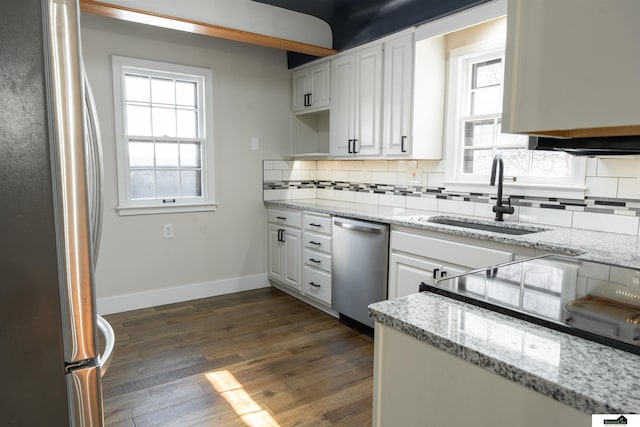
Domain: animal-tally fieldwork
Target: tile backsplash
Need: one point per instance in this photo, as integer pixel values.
(611, 202)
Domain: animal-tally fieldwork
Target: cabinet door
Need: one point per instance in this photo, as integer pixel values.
(319, 85)
(368, 105)
(292, 265)
(275, 253)
(299, 89)
(342, 104)
(406, 272)
(398, 88)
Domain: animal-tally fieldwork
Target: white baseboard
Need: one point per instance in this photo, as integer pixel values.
(137, 300)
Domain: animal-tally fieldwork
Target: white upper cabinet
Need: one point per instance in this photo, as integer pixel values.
(572, 68)
(310, 87)
(398, 89)
(356, 103)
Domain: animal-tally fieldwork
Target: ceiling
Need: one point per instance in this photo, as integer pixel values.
(355, 22)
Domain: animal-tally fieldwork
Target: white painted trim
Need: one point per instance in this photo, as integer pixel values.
(152, 210)
(152, 298)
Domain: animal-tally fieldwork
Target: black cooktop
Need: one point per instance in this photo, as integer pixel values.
(594, 300)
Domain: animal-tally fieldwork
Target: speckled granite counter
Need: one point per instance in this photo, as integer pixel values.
(585, 375)
(617, 249)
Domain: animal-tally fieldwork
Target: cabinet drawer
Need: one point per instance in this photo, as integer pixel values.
(282, 217)
(317, 260)
(316, 223)
(449, 252)
(317, 284)
(317, 242)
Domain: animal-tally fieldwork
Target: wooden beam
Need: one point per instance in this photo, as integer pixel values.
(181, 24)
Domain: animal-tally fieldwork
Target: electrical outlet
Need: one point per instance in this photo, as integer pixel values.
(167, 230)
(414, 176)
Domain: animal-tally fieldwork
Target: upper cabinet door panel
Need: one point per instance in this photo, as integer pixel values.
(572, 68)
(320, 85)
(369, 101)
(299, 88)
(343, 71)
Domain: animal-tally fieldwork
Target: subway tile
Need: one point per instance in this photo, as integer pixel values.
(398, 165)
(359, 176)
(604, 222)
(313, 175)
(390, 178)
(455, 206)
(326, 193)
(323, 175)
(267, 164)
(434, 179)
(618, 167)
(368, 198)
(422, 203)
(296, 175)
(559, 218)
(392, 200)
(376, 165)
(432, 165)
(272, 175)
(282, 164)
(303, 193)
(324, 165)
(345, 196)
(339, 175)
(304, 164)
(353, 165)
(276, 194)
(629, 188)
(601, 187)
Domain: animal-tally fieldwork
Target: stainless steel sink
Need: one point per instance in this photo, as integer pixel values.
(504, 228)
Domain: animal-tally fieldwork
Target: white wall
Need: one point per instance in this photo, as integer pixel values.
(212, 252)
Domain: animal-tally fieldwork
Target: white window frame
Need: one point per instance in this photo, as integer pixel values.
(204, 79)
(459, 59)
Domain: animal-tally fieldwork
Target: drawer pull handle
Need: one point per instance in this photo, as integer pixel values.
(281, 218)
(315, 225)
(315, 260)
(315, 243)
(314, 285)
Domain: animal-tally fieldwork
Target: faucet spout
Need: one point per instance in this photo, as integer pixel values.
(497, 168)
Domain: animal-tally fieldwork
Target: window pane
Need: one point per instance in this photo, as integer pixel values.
(549, 163)
(190, 184)
(164, 122)
(488, 73)
(136, 88)
(478, 133)
(143, 184)
(167, 154)
(477, 161)
(138, 120)
(190, 155)
(163, 91)
(187, 124)
(186, 93)
(168, 183)
(516, 161)
(486, 101)
(141, 154)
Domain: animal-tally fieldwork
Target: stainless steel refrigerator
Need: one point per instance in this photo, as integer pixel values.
(49, 220)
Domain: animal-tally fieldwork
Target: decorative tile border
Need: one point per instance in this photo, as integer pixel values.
(627, 207)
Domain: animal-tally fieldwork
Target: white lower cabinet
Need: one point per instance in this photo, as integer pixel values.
(300, 254)
(417, 256)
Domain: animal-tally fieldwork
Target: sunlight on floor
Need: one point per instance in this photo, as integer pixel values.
(251, 413)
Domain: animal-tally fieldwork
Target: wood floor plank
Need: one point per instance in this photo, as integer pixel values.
(290, 363)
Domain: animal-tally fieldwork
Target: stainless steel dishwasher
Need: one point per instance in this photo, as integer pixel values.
(359, 267)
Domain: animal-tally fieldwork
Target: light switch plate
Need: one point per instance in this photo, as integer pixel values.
(255, 143)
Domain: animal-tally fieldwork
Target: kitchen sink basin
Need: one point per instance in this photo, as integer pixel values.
(504, 228)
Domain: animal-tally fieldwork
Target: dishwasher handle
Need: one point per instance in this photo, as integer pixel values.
(362, 228)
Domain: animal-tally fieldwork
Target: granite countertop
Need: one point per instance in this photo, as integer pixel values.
(611, 248)
(588, 376)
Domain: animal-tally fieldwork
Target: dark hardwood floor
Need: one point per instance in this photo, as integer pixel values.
(256, 358)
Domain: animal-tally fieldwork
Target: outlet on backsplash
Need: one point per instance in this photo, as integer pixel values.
(414, 176)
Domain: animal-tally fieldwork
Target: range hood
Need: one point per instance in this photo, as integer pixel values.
(589, 146)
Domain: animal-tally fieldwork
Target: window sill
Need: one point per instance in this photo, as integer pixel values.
(519, 189)
(155, 210)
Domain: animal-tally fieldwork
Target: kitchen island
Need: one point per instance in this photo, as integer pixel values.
(439, 361)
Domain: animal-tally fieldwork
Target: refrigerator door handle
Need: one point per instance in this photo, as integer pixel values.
(69, 169)
(95, 174)
(110, 340)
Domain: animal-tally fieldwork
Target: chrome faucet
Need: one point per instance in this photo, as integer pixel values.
(498, 208)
